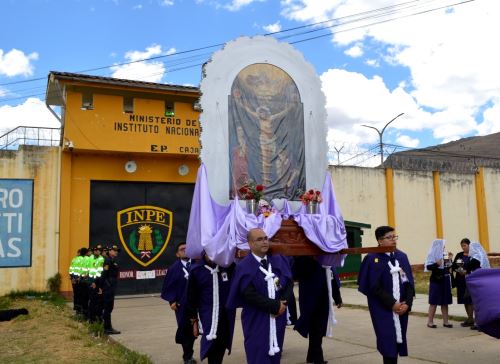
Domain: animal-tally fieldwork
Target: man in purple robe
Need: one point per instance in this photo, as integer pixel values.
(174, 291)
(262, 285)
(207, 292)
(316, 311)
(387, 281)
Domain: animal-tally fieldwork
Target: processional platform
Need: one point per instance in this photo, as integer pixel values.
(291, 240)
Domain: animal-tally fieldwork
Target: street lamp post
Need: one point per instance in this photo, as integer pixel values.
(380, 134)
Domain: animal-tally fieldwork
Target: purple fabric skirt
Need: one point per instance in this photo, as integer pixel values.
(440, 292)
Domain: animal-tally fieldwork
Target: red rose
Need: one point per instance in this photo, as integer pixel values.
(250, 196)
(259, 188)
(318, 193)
(243, 190)
(310, 192)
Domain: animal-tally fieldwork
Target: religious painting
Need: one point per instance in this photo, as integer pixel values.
(266, 132)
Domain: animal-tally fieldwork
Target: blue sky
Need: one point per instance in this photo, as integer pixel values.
(439, 68)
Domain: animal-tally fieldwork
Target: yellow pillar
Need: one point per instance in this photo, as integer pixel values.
(389, 188)
(482, 217)
(437, 205)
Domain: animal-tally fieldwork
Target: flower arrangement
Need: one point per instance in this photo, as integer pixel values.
(312, 195)
(251, 191)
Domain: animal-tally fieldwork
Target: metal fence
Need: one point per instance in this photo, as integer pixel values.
(30, 135)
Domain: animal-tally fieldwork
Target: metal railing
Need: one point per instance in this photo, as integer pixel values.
(30, 135)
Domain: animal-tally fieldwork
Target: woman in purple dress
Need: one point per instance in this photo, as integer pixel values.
(439, 263)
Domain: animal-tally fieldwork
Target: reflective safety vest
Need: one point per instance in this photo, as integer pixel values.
(91, 266)
(77, 268)
(98, 265)
(85, 266)
(73, 267)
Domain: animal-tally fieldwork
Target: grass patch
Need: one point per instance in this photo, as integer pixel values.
(49, 334)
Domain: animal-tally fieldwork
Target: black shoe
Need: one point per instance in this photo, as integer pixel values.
(467, 323)
(112, 332)
(474, 327)
(190, 361)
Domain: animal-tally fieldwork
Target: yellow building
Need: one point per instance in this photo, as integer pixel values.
(128, 165)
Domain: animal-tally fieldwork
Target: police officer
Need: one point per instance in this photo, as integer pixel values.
(109, 280)
(79, 289)
(74, 275)
(95, 290)
(86, 276)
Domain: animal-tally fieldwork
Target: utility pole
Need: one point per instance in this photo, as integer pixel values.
(381, 134)
(338, 154)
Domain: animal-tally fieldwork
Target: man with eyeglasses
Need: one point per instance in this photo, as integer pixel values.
(263, 286)
(387, 281)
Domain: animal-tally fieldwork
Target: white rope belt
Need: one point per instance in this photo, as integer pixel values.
(271, 292)
(215, 302)
(331, 313)
(395, 269)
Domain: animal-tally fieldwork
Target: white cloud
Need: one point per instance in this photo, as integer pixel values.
(272, 28)
(137, 7)
(151, 71)
(171, 51)
(450, 55)
(15, 63)
(372, 62)
(33, 112)
(166, 2)
(355, 51)
(491, 122)
(407, 141)
(236, 5)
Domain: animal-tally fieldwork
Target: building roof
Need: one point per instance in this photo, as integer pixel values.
(460, 156)
(53, 97)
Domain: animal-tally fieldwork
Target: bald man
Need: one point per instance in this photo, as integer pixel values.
(263, 286)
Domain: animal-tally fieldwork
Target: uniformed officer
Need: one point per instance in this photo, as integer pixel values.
(95, 290)
(86, 276)
(79, 288)
(74, 274)
(109, 280)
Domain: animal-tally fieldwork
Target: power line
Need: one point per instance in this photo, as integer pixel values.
(392, 10)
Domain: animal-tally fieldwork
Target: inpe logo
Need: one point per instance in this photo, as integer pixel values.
(144, 232)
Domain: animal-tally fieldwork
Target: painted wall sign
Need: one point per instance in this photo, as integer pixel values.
(16, 206)
(145, 130)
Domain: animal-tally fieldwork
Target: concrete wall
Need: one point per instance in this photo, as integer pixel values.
(362, 195)
(41, 165)
(458, 199)
(492, 191)
(414, 213)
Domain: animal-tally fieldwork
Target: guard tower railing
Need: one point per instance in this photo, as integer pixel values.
(30, 135)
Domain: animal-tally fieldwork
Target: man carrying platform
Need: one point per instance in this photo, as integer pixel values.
(207, 292)
(262, 285)
(318, 290)
(174, 291)
(386, 280)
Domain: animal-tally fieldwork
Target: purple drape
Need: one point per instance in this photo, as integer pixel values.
(485, 292)
(219, 230)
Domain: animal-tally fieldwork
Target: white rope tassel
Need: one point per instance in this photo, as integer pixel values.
(331, 314)
(186, 273)
(271, 291)
(215, 302)
(395, 269)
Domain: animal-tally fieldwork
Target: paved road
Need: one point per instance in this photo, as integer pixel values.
(148, 326)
